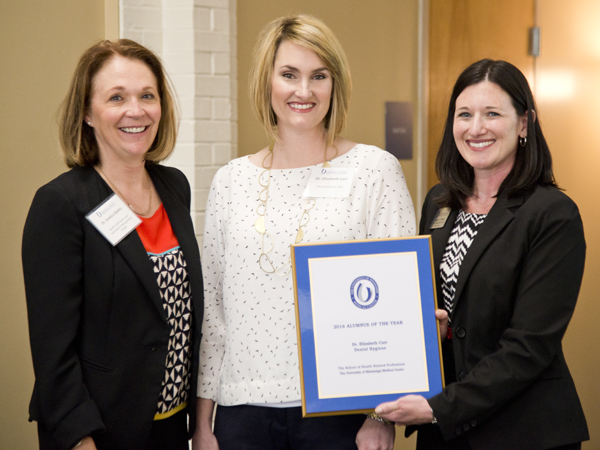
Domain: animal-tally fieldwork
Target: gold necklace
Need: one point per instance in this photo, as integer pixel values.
(264, 261)
(112, 185)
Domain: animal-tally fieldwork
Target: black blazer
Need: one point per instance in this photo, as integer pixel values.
(97, 326)
(515, 295)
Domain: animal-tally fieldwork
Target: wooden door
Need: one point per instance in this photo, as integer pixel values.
(567, 93)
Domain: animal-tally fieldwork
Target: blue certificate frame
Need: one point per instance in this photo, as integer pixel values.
(365, 317)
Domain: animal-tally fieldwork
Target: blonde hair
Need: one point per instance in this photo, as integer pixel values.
(313, 34)
(77, 139)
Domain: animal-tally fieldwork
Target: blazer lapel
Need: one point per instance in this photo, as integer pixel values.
(439, 239)
(133, 252)
(497, 219)
(181, 223)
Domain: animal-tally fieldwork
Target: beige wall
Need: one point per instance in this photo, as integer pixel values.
(380, 41)
(568, 95)
(39, 46)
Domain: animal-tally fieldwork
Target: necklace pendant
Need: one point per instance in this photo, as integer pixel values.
(299, 236)
(259, 225)
(326, 164)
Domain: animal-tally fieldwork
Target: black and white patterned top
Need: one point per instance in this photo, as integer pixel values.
(248, 350)
(172, 278)
(461, 238)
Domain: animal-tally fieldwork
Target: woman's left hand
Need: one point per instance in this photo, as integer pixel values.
(408, 410)
(375, 435)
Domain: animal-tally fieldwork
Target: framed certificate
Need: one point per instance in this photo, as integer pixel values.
(365, 316)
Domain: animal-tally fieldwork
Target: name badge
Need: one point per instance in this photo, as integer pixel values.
(330, 182)
(113, 219)
(440, 218)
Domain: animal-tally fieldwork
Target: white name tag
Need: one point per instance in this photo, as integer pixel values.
(113, 219)
(330, 182)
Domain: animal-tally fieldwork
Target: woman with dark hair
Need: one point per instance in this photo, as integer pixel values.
(509, 253)
(112, 269)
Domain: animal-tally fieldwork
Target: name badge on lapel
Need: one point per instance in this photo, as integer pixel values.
(440, 218)
(113, 219)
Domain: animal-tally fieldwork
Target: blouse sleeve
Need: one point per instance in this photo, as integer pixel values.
(52, 254)
(391, 212)
(212, 346)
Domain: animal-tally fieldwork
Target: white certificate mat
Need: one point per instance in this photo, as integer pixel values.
(366, 323)
(379, 339)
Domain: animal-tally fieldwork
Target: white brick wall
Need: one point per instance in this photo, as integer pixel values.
(196, 41)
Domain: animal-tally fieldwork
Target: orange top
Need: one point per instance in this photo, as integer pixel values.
(156, 232)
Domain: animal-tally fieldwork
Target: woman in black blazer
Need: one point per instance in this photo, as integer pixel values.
(114, 326)
(509, 251)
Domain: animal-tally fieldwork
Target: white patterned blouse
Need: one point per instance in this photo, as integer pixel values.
(248, 350)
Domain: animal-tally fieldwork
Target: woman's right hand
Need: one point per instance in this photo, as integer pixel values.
(204, 439)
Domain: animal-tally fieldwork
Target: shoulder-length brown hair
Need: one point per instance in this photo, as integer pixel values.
(77, 138)
(533, 162)
(313, 34)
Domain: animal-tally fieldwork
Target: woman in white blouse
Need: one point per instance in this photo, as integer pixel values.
(300, 89)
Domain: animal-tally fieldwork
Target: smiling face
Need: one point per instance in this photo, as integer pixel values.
(487, 129)
(124, 109)
(301, 88)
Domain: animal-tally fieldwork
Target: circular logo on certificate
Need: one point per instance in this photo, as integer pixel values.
(364, 292)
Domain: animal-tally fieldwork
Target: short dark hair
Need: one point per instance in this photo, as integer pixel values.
(77, 139)
(533, 162)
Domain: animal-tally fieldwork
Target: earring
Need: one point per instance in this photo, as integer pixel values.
(522, 141)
